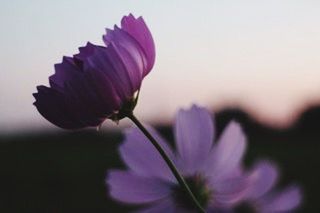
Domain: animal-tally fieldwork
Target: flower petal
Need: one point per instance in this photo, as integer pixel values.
(166, 205)
(126, 43)
(229, 191)
(285, 201)
(132, 65)
(65, 71)
(194, 133)
(88, 105)
(263, 177)
(143, 158)
(85, 52)
(108, 61)
(138, 29)
(51, 105)
(226, 155)
(66, 107)
(127, 187)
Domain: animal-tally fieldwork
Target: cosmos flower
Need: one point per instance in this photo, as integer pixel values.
(262, 195)
(211, 169)
(99, 82)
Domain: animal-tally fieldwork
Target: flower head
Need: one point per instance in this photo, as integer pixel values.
(99, 82)
(211, 169)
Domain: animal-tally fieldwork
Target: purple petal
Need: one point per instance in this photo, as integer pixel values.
(64, 71)
(138, 29)
(166, 205)
(84, 98)
(285, 201)
(194, 137)
(115, 63)
(51, 105)
(97, 99)
(129, 49)
(263, 177)
(133, 64)
(142, 157)
(226, 155)
(77, 98)
(108, 61)
(85, 52)
(127, 187)
(229, 191)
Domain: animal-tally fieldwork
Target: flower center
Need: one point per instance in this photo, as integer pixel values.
(199, 188)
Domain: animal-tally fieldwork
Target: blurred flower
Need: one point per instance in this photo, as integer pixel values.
(212, 170)
(267, 200)
(99, 82)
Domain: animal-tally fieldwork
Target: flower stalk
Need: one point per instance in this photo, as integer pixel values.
(168, 161)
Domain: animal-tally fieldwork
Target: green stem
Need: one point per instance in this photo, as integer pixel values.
(163, 154)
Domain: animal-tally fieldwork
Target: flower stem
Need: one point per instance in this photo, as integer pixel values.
(172, 167)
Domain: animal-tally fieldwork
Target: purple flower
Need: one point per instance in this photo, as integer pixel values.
(211, 169)
(267, 200)
(99, 82)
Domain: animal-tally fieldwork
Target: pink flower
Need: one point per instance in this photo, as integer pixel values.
(211, 169)
(99, 82)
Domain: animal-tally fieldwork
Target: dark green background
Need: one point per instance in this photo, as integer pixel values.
(65, 172)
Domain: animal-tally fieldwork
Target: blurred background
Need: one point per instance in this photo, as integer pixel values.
(253, 61)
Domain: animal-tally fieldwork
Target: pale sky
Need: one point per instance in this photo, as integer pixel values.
(261, 55)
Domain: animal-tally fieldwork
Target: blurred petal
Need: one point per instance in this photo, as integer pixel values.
(138, 29)
(194, 137)
(229, 191)
(142, 157)
(127, 187)
(227, 154)
(262, 178)
(284, 201)
(166, 205)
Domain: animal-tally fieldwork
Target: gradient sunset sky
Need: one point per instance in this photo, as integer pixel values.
(263, 56)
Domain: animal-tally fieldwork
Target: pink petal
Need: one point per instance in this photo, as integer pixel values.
(129, 49)
(226, 155)
(64, 71)
(229, 191)
(130, 188)
(143, 158)
(194, 133)
(166, 205)
(263, 177)
(138, 29)
(52, 105)
(284, 201)
(108, 61)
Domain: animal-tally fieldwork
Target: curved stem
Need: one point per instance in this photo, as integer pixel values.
(172, 167)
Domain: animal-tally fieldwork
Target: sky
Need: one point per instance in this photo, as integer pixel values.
(262, 56)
